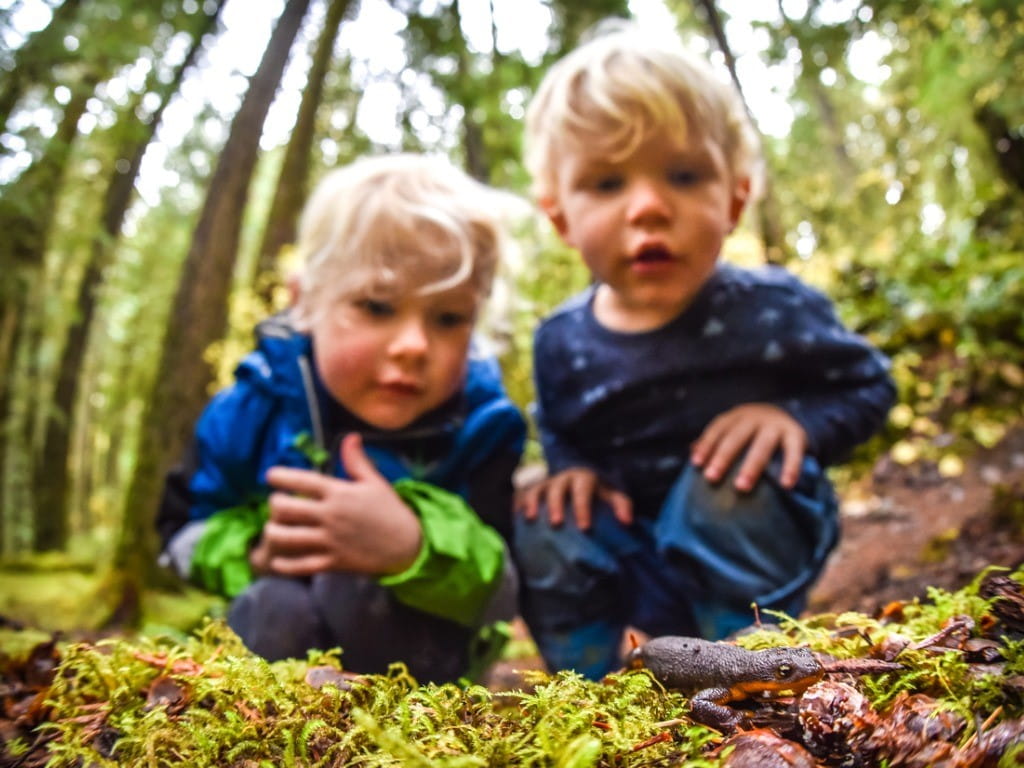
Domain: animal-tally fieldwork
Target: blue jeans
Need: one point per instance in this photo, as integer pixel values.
(694, 568)
(279, 617)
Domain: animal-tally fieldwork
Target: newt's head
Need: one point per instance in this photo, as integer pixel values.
(778, 672)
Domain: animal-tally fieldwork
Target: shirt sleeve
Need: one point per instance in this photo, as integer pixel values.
(845, 389)
(548, 358)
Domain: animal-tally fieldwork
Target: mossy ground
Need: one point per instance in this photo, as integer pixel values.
(155, 700)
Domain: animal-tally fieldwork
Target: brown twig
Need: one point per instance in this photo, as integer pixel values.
(660, 738)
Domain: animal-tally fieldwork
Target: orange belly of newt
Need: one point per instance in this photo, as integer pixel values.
(751, 689)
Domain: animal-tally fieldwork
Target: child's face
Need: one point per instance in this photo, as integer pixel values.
(391, 356)
(649, 226)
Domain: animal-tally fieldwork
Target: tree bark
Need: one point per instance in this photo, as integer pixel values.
(473, 148)
(292, 183)
(198, 318)
(26, 216)
(51, 470)
(1006, 143)
(769, 218)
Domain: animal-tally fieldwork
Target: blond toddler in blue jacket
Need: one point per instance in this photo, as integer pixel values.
(353, 486)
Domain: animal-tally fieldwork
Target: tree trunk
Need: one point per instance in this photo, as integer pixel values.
(473, 148)
(292, 181)
(1006, 142)
(51, 470)
(198, 318)
(774, 240)
(26, 215)
(810, 73)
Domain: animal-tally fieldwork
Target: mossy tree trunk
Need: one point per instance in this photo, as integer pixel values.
(26, 216)
(198, 318)
(51, 471)
(292, 182)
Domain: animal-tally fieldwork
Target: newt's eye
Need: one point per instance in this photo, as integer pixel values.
(783, 671)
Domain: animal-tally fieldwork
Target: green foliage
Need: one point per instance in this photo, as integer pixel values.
(911, 218)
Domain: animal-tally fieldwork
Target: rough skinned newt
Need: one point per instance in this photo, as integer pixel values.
(714, 674)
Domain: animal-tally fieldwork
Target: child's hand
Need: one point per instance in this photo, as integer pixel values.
(320, 523)
(259, 556)
(764, 428)
(582, 485)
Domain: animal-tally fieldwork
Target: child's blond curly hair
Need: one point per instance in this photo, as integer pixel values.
(401, 222)
(615, 90)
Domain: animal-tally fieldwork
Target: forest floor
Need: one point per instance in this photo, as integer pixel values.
(905, 529)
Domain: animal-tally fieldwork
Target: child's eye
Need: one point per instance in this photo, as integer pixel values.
(453, 319)
(607, 183)
(376, 307)
(683, 178)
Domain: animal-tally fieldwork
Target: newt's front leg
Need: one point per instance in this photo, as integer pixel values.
(706, 707)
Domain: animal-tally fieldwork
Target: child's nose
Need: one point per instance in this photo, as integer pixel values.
(647, 203)
(410, 339)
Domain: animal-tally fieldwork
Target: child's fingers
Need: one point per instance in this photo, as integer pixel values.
(708, 443)
(302, 539)
(793, 447)
(303, 481)
(554, 497)
(354, 459)
(293, 510)
(758, 455)
(727, 448)
(303, 565)
(583, 486)
(527, 501)
(622, 506)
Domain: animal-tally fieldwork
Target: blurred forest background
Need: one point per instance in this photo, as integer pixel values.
(154, 156)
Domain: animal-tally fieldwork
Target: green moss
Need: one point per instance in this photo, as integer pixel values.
(206, 701)
(235, 707)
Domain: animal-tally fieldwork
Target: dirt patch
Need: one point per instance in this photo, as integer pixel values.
(914, 529)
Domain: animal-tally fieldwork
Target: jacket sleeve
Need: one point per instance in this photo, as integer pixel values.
(229, 450)
(461, 563)
(213, 506)
(175, 500)
(843, 383)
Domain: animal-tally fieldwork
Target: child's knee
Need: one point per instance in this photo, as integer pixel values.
(557, 557)
(566, 576)
(767, 545)
(276, 619)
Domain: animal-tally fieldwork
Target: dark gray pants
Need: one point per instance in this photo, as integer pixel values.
(279, 618)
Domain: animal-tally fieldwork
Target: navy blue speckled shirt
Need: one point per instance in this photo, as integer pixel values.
(629, 405)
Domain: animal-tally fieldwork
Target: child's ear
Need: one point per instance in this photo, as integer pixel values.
(740, 196)
(555, 214)
(294, 284)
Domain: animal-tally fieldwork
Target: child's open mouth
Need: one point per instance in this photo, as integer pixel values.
(653, 255)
